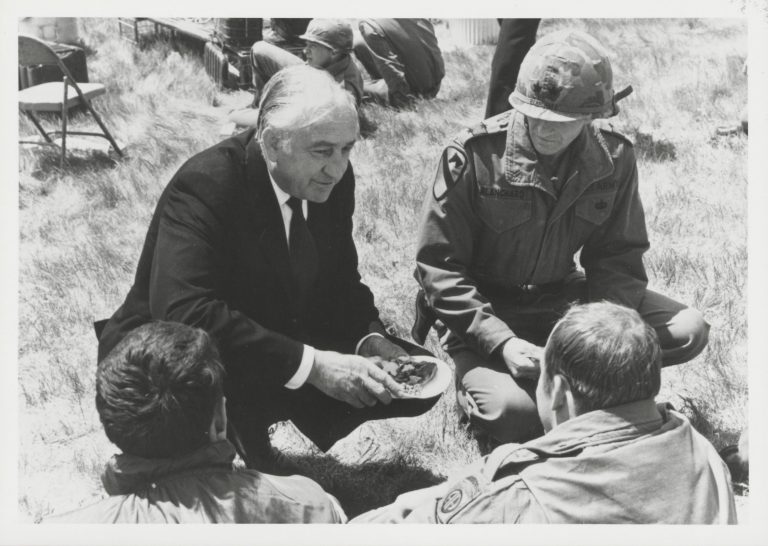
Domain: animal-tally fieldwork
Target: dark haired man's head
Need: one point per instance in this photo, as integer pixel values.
(598, 355)
(159, 392)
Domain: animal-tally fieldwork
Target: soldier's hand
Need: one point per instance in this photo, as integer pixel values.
(522, 358)
(352, 379)
(380, 346)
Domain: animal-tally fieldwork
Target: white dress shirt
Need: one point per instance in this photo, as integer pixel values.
(308, 356)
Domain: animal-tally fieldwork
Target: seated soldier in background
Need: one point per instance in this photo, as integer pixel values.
(159, 396)
(403, 59)
(285, 33)
(328, 47)
(610, 454)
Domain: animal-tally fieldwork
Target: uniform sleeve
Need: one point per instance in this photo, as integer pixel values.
(188, 279)
(447, 235)
(477, 495)
(508, 501)
(470, 497)
(413, 507)
(293, 499)
(612, 258)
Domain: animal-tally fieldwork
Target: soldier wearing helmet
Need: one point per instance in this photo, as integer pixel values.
(328, 47)
(328, 44)
(515, 201)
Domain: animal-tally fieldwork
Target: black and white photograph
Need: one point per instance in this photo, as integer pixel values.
(438, 270)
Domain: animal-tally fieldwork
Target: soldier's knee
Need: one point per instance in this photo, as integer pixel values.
(499, 406)
(689, 333)
(260, 50)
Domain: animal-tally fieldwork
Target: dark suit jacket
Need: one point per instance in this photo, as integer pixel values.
(215, 257)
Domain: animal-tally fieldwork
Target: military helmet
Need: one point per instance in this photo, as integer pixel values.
(332, 33)
(566, 76)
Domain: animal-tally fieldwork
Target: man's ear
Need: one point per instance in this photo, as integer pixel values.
(271, 141)
(218, 428)
(560, 391)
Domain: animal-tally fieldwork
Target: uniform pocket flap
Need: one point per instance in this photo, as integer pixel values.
(502, 214)
(595, 207)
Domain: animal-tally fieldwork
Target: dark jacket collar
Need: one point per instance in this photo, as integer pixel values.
(256, 167)
(125, 473)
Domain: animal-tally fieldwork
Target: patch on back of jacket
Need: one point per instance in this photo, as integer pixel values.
(453, 163)
(457, 498)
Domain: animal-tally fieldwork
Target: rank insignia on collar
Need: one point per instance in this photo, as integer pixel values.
(453, 163)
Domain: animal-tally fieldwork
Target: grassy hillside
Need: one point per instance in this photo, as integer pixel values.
(81, 229)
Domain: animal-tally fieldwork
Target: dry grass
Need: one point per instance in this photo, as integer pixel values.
(82, 228)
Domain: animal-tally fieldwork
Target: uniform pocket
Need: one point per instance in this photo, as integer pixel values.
(595, 208)
(501, 214)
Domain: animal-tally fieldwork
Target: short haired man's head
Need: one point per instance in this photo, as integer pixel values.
(604, 355)
(307, 126)
(157, 391)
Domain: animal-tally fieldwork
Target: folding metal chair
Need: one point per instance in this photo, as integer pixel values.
(56, 97)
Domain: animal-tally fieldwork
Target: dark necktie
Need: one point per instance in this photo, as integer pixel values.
(302, 250)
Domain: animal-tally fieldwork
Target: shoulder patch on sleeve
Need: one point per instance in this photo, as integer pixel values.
(457, 498)
(453, 163)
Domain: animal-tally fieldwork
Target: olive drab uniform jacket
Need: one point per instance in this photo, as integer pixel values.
(203, 487)
(634, 463)
(493, 222)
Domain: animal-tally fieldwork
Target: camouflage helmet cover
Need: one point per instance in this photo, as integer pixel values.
(334, 34)
(565, 76)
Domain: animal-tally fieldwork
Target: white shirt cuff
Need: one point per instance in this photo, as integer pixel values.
(360, 343)
(300, 377)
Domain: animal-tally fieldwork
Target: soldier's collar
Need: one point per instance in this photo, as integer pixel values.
(612, 425)
(597, 427)
(593, 160)
(336, 68)
(125, 474)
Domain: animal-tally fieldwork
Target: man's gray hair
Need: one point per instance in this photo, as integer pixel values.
(298, 96)
(608, 354)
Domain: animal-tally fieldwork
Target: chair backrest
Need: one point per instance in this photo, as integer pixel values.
(33, 52)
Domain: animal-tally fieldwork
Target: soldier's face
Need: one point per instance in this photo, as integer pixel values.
(318, 56)
(553, 137)
(309, 161)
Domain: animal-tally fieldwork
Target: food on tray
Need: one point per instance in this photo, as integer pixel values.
(411, 373)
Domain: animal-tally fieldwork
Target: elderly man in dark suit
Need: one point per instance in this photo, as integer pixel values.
(252, 242)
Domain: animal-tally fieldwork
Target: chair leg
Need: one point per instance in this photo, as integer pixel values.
(103, 128)
(63, 135)
(64, 112)
(37, 124)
